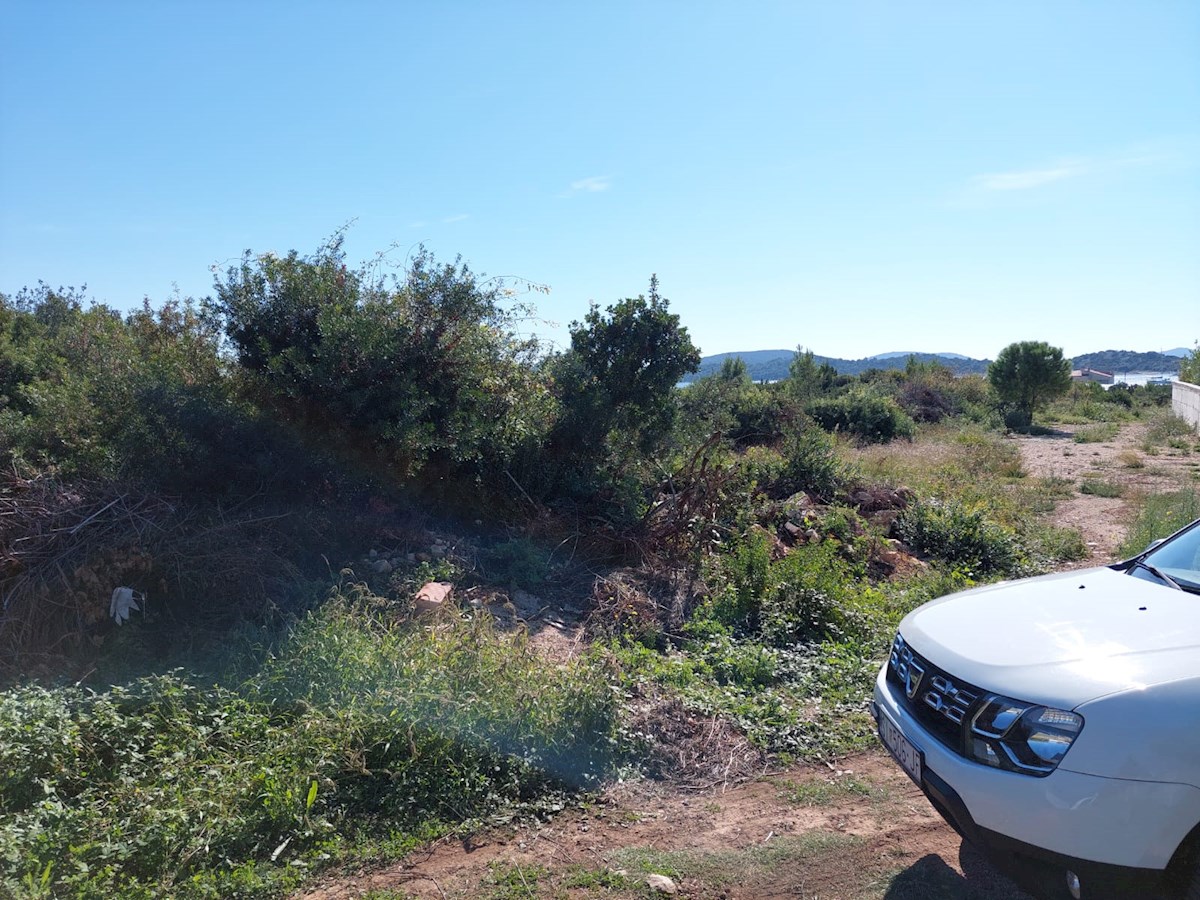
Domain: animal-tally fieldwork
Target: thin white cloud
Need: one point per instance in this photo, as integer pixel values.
(451, 219)
(1023, 180)
(592, 185)
(1028, 179)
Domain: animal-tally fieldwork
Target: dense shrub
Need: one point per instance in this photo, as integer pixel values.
(1189, 367)
(430, 369)
(868, 416)
(143, 398)
(811, 464)
(615, 387)
(803, 596)
(744, 413)
(961, 536)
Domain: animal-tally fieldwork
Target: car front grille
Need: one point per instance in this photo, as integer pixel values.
(943, 704)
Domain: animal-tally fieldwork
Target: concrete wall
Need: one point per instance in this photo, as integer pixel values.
(1185, 402)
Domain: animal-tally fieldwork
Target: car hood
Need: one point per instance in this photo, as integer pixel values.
(1063, 639)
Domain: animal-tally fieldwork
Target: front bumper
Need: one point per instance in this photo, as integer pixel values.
(1117, 836)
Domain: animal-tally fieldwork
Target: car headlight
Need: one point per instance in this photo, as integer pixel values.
(1022, 737)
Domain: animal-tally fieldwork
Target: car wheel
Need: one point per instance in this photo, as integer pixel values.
(1184, 882)
(1190, 890)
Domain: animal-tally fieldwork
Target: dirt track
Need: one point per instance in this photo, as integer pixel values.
(1123, 462)
(860, 831)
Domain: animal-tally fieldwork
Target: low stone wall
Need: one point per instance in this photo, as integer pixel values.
(1185, 402)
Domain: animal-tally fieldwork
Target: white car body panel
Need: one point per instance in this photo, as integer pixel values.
(1109, 820)
(1119, 647)
(1062, 640)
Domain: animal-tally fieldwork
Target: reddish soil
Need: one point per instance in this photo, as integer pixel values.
(864, 830)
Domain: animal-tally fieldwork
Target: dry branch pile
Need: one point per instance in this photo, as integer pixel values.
(65, 548)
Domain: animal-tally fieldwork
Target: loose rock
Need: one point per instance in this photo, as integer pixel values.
(431, 597)
(662, 884)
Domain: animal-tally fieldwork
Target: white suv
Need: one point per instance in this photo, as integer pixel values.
(1055, 722)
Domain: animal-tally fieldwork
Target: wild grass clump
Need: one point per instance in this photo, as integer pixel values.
(1098, 487)
(361, 731)
(967, 462)
(463, 679)
(1164, 430)
(1131, 459)
(983, 453)
(1097, 434)
(1049, 545)
(1161, 515)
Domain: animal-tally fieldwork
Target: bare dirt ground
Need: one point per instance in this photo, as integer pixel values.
(1122, 461)
(861, 830)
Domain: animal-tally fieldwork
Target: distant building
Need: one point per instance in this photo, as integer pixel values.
(1095, 375)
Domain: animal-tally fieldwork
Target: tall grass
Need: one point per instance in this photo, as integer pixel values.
(1160, 516)
(360, 731)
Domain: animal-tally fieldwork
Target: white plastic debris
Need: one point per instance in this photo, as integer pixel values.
(123, 601)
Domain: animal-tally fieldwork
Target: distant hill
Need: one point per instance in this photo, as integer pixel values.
(905, 354)
(1178, 351)
(1119, 361)
(763, 365)
(772, 365)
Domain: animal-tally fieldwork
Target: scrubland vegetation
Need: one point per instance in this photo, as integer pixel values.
(277, 707)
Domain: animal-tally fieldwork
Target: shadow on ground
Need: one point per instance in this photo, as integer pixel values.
(930, 878)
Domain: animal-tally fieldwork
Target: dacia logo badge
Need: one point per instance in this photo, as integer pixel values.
(912, 672)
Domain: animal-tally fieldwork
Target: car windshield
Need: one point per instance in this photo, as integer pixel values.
(1179, 558)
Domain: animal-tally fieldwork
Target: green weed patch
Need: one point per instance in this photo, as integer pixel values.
(359, 733)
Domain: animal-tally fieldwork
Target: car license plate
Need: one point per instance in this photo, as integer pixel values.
(900, 747)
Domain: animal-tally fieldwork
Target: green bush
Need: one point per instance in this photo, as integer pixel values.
(811, 464)
(1097, 487)
(810, 597)
(804, 596)
(358, 729)
(961, 536)
(144, 398)
(430, 370)
(1189, 367)
(863, 414)
(617, 407)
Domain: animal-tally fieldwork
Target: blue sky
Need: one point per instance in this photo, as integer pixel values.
(853, 177)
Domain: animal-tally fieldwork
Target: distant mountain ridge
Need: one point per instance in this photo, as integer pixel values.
(1121, 361)
(772, 365)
